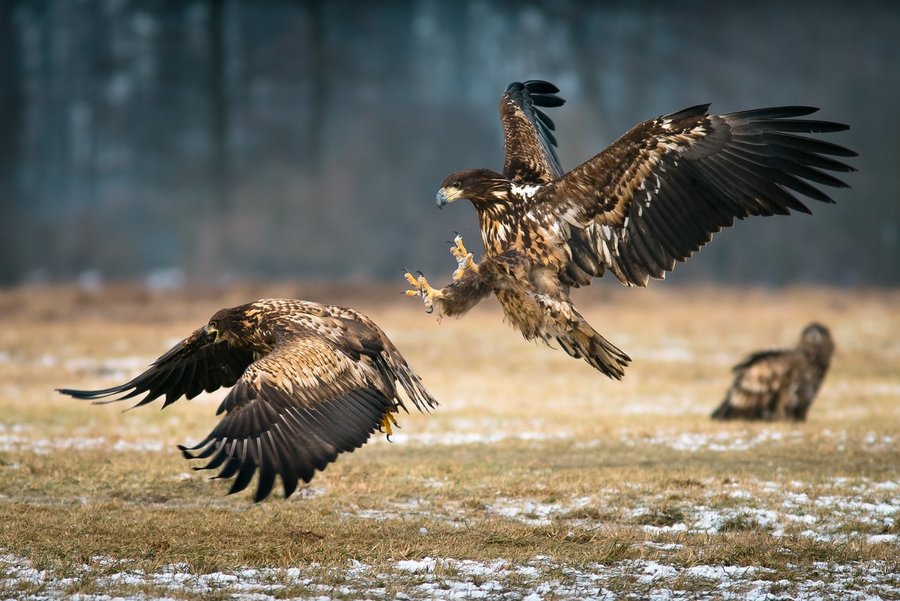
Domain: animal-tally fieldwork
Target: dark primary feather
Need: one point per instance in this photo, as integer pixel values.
(530, 146)
(192, 366)
(322, 381)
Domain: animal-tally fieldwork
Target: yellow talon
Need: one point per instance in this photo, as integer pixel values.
(458, 249)
(387, 421)
(422, 289)
(464, 258)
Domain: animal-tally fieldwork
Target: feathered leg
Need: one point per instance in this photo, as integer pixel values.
(455, 298)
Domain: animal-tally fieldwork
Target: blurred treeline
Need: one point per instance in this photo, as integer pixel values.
(295, 139)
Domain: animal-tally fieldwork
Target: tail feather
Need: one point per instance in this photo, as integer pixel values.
(585, 343)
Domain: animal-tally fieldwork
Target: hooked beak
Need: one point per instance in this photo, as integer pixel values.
(446, 195)
(210, 334)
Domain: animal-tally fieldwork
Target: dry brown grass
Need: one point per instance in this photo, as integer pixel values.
(536, 474)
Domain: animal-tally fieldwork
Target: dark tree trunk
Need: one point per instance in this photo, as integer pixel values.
(218, 108)
(11, 117)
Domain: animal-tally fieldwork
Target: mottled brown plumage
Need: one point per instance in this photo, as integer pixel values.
(651, 199)
(779, 384)
(308, 381)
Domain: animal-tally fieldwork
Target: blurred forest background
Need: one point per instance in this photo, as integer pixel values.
(204, 140)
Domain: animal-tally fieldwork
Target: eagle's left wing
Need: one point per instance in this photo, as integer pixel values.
(295, 410)
(194, 365)
(530, 146)
(659, 193)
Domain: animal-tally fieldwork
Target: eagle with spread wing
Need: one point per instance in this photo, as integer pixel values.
(649, 200)
(308, 382)
(779, 384)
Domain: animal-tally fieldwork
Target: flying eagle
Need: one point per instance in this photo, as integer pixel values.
(308, 382)
(652, 198)
(780, 384)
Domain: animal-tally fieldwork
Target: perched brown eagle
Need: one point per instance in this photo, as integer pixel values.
(309, 381)
(652, 198)
(780, 384)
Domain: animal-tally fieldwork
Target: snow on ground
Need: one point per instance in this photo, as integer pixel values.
(846, 510)
(454, 438)
(448, 578)
(535, 513)
(713, 441)
(459, 432)
(729, 441)
(16, 442)
(858, 510)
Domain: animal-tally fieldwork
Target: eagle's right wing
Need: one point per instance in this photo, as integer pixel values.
(529, 143)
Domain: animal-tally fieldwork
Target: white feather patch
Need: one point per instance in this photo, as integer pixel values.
(526, 190)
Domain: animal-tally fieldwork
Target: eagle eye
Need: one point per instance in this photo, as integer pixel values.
(457, 184)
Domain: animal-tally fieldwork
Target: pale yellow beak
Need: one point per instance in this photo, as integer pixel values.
(447, 194)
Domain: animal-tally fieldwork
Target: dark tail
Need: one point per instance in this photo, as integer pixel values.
(585, 343)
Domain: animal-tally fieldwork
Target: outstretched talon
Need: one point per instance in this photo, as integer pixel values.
(388, 421)
(464, 259)
(422, 289)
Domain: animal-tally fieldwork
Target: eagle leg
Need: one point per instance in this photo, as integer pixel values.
(464, 259)
(423, 289)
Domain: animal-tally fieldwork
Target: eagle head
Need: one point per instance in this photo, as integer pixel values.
(231, 324)
(816, 339)
(478, 186)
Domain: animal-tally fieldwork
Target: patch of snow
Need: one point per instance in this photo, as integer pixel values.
(885, 485)
(652, 571)
(42, 446)
(803, 519)
(713, 441)
(450, 438)
(414, 565)
(533, 512)
(723, 572)
(679, 527)
(448, 578)
(662, 546)
(740, 494)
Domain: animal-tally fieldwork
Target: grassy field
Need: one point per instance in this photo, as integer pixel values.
(536, 478)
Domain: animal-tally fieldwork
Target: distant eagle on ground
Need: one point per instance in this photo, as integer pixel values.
(781, 384)
(652, 198)
(309, 381)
